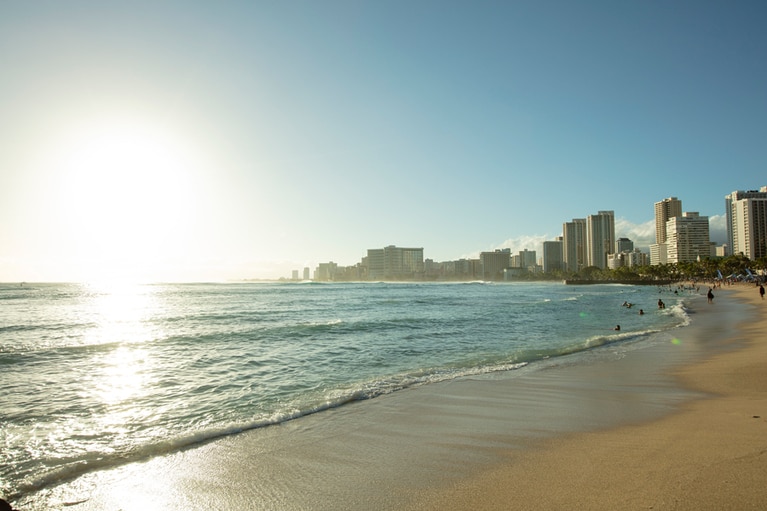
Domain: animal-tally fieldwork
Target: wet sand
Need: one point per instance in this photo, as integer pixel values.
(668, 424)
(710, 455)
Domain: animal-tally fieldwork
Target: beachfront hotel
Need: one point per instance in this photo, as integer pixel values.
(664, 210)
(679, 237)
(395, 263)
(574, 244)
(600, 238)
(588, 241)
(747, 222)
(553, 257)
(687, 238)
(493, 263)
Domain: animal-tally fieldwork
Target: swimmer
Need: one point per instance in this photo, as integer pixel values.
(617, 328)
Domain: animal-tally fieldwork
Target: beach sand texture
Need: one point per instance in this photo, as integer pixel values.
(710, 455)
(676, 425)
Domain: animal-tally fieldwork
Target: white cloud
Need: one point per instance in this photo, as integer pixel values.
(643, 235)
(717, 227)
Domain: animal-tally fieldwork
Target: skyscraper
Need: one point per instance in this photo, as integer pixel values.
(395, 263)
(747, 222)
(574, 244)
(687, 238)
(600, 238)
(665, 209)
(493, 263)
(623, 245)
(553, 259)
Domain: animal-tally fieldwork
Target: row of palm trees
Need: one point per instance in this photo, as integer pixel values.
(707, 269)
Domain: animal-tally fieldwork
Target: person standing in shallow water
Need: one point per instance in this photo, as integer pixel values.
(710, 296)
(761, 291)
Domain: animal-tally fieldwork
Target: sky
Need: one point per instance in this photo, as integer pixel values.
(197, 141)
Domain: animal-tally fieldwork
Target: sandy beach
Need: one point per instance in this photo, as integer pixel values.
(712, 454)
(670, 424)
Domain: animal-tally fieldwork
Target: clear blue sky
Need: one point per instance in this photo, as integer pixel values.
(213, 140)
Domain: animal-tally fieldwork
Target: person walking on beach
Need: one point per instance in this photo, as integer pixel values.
(710, 296)
(761, 291)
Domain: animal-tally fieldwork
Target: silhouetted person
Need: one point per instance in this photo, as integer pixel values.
(710, 296)
(617, 328)
(641, 312)
(761, 291)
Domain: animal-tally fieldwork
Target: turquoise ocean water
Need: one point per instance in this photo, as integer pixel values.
(92, 377)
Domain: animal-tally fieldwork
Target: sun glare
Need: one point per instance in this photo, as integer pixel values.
(125, 195)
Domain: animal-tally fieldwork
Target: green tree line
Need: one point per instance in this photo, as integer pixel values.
(707, 269)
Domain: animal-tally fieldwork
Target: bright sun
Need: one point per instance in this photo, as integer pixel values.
(125, 196)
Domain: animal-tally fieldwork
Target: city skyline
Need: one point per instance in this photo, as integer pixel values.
(186, 141)
(666, 209)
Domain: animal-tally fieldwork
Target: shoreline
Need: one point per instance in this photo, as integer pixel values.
(711, 453)
(424, 448)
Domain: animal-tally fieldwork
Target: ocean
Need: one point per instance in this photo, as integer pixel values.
(92, 377)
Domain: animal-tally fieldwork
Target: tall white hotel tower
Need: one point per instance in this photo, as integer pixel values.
(747, 223)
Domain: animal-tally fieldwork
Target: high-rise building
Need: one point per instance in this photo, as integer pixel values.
(623, 245)
(493, 263)
(664, 210)
(574, 244)
(747, 222)
(635, 258)
(527, 258)
(687, 238)
(553, 259)
(325, 271)
(395, 263)
(600, 238)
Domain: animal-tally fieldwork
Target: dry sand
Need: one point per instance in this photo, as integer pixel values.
(712, 454)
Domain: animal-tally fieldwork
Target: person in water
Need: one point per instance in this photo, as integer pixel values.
(710, 296)
(641, 312)
(617, 328)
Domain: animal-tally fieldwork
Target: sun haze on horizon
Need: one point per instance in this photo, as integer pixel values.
(196, 142)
